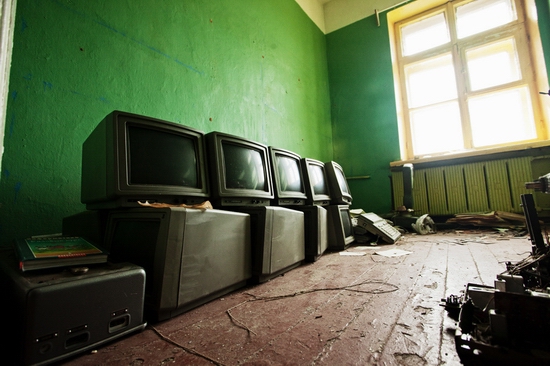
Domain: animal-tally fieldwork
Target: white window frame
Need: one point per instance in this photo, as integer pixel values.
(7, 21)
(530, 52)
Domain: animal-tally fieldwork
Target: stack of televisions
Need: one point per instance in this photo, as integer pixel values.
(272, 209)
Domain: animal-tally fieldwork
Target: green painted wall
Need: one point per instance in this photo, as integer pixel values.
(364, 120)
(253, 68)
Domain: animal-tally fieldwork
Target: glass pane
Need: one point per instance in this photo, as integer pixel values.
(424, 34)
(436, 129)
(431, 81)
(493, 64)
(481, 15)
(502, 117)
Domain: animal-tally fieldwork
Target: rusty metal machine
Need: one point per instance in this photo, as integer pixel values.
(509, 323)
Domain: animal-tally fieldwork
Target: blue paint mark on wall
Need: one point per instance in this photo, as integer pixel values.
(189, 67)
(12, 124)
(104, 24)
(17, 188)
(28, 76)
(6, 173)
(24, 25)
(14, 95)
(47, 85)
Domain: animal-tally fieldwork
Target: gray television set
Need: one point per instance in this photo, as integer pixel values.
(129, 158)
(315, 179)
(288, 179)
(240, 171)
(290, 191)
(190, 256)
(340, 193)
(340, 227)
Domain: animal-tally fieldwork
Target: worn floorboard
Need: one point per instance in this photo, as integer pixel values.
(340, 310)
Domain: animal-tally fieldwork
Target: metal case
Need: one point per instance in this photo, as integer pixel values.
(56, 313)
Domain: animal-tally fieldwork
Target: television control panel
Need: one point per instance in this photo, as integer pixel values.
(244, 202)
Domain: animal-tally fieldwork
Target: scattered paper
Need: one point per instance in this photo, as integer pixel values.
(353, 253)
(203, 206)
(393, 253)
(364, 247)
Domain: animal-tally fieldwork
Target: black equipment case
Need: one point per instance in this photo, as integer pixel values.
(56, 313)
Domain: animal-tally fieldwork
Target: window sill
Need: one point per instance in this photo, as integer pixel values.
(488, 154)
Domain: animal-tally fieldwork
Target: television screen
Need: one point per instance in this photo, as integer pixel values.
(287, 177)
(340, 193)
(317, 178)
(317, 188)
(173, 164)
(340, 228)
(346, 223)
(342, 183)
(240, 171)
(289, 172)
(130, 158)
(244, 167)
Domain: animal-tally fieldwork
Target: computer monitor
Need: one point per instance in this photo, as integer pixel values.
(190, 256)
(129, 158)
(340, 193)
(315, 178)
(288, 180)
(240, 171)
(340, 227)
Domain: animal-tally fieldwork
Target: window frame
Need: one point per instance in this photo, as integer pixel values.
(529, 52)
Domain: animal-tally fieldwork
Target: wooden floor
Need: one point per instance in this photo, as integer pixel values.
(364, 309)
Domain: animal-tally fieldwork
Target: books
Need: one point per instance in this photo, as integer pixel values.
(57, 251)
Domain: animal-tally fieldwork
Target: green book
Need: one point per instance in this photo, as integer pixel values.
(57, 251)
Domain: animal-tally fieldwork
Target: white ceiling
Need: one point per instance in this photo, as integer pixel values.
(330, 15)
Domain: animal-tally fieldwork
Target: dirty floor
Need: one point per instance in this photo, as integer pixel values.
(361, 308)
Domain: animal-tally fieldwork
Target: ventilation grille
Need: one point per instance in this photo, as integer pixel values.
(476, 187)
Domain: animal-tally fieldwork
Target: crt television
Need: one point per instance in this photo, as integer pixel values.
(240, 171)
(340, 193)
(288, 180)
(340, 227)
(129, 158)
(315, 179)
(190, 256)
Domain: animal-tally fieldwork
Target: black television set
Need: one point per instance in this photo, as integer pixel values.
(288, 179)
(340, 227)
(316, 182)
(129, 158)
(190, 256)
(240, 171)
(340, 193)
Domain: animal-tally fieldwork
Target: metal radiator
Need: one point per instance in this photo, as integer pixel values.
(494, 185)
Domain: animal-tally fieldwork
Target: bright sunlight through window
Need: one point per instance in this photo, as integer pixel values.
(466, 78)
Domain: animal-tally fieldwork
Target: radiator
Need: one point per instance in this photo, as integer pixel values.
(494, 185)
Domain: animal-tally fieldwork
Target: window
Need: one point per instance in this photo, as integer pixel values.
(467, 79)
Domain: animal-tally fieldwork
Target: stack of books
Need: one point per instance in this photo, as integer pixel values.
(57, 251)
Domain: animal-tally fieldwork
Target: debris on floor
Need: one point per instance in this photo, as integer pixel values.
(393, 252)
(498, 219)
(370, 223)
(507, 323)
